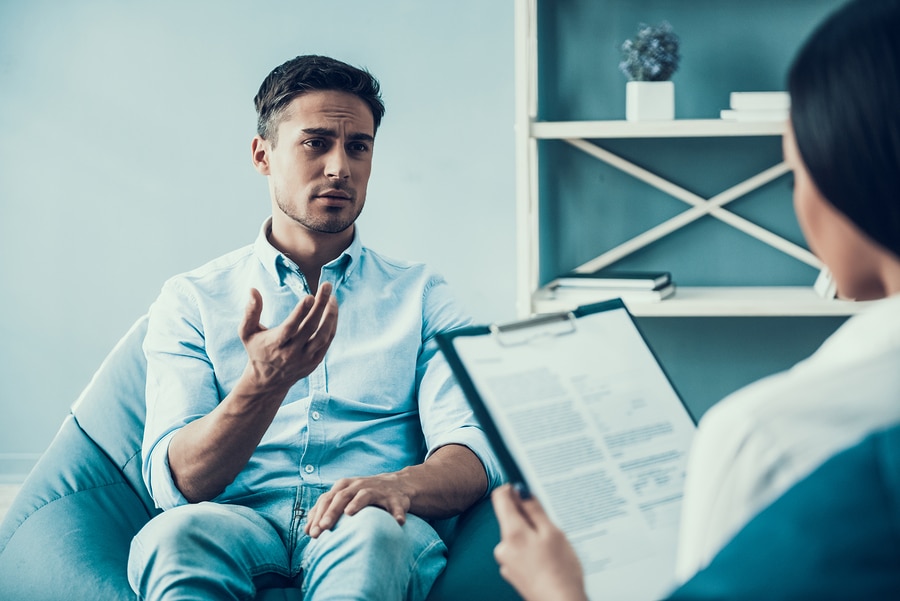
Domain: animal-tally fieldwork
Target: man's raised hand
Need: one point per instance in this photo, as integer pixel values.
(280, 356)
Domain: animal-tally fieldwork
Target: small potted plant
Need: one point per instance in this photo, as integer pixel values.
(649, 60)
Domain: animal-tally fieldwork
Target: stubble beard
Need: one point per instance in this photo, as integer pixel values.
(334, 220)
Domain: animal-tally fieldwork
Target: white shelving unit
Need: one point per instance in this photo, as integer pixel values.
(725, 301)
(677, 128)
(705, 301)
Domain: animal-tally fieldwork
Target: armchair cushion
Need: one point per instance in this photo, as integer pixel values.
(68, 531)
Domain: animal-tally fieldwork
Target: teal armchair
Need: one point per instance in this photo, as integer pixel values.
(68, 531)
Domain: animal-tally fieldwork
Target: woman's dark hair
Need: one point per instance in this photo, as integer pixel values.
(306, 74)
(845, 111)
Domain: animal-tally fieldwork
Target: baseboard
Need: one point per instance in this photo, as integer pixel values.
(15, 467)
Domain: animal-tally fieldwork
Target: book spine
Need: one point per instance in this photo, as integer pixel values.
(755, 115)
(599, 284)
(760, 100)
(585, 295)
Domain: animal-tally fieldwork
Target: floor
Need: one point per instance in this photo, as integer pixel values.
(7, 492)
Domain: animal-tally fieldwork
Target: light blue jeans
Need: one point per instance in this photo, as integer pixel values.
(213, 551)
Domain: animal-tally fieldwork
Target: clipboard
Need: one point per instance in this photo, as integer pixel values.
(581, 414)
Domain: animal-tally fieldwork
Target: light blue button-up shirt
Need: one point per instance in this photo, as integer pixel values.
(382, 399)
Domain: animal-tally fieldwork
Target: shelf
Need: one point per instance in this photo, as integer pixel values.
(723, 301)
(677, 128)
(588, 136)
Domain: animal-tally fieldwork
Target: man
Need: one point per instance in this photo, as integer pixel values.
(323, 444)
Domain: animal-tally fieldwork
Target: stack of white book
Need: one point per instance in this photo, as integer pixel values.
(758, 106)
(575, 289)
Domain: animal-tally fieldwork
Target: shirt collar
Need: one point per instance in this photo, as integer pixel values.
(277, 264)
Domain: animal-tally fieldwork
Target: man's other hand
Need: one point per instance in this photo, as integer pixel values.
(350, 495)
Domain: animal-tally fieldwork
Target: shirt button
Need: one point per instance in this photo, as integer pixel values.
(309, 469)
(316, 415)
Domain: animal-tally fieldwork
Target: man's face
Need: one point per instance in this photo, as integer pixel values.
(320, 162)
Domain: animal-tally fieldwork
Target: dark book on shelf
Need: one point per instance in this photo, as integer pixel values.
(583, 295)
(638, 280)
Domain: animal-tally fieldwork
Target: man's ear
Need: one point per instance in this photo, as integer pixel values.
(259, 154)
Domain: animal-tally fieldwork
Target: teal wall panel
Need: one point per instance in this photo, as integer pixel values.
(588, 207)
(726, 45)
(709, 358)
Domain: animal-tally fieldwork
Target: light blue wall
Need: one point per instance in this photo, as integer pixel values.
(125, 134)
(124, 158)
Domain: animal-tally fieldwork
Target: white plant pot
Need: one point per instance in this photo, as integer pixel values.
(649, 100)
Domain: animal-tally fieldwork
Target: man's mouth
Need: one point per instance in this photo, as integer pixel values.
(335, 194)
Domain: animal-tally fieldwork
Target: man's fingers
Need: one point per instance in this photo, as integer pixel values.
(311, 518)
(313, 317)
(364, 498)
(324, 514)
(321, 339)
(292, 322)
(250, 323)
(302, 321)
(398, 511)
(350, 496)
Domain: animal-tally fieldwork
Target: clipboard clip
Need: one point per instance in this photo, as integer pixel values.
(527, 330)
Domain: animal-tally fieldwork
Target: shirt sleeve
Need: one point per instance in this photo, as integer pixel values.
(444, 411)
(181, 385)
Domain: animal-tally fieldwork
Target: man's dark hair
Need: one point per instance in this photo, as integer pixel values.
(845, 90)
(306, 74)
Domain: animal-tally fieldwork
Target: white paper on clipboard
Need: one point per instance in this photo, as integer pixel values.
(597, 432)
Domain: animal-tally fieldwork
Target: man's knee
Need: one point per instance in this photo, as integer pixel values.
(370, 556)
(200, 530)
(375, 524)
(227, 545)
(180, 525)
(374, 530)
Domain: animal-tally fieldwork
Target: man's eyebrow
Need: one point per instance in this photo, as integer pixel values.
(330, 133)
(320, 131)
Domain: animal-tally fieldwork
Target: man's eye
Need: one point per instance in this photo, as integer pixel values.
(315, 143)
(359, 147)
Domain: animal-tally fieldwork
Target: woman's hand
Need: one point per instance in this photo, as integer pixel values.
(534, 555)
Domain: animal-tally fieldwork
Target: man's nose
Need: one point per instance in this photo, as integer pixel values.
(337, 164)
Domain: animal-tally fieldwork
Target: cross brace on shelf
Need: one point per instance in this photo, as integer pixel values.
(699, 207)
